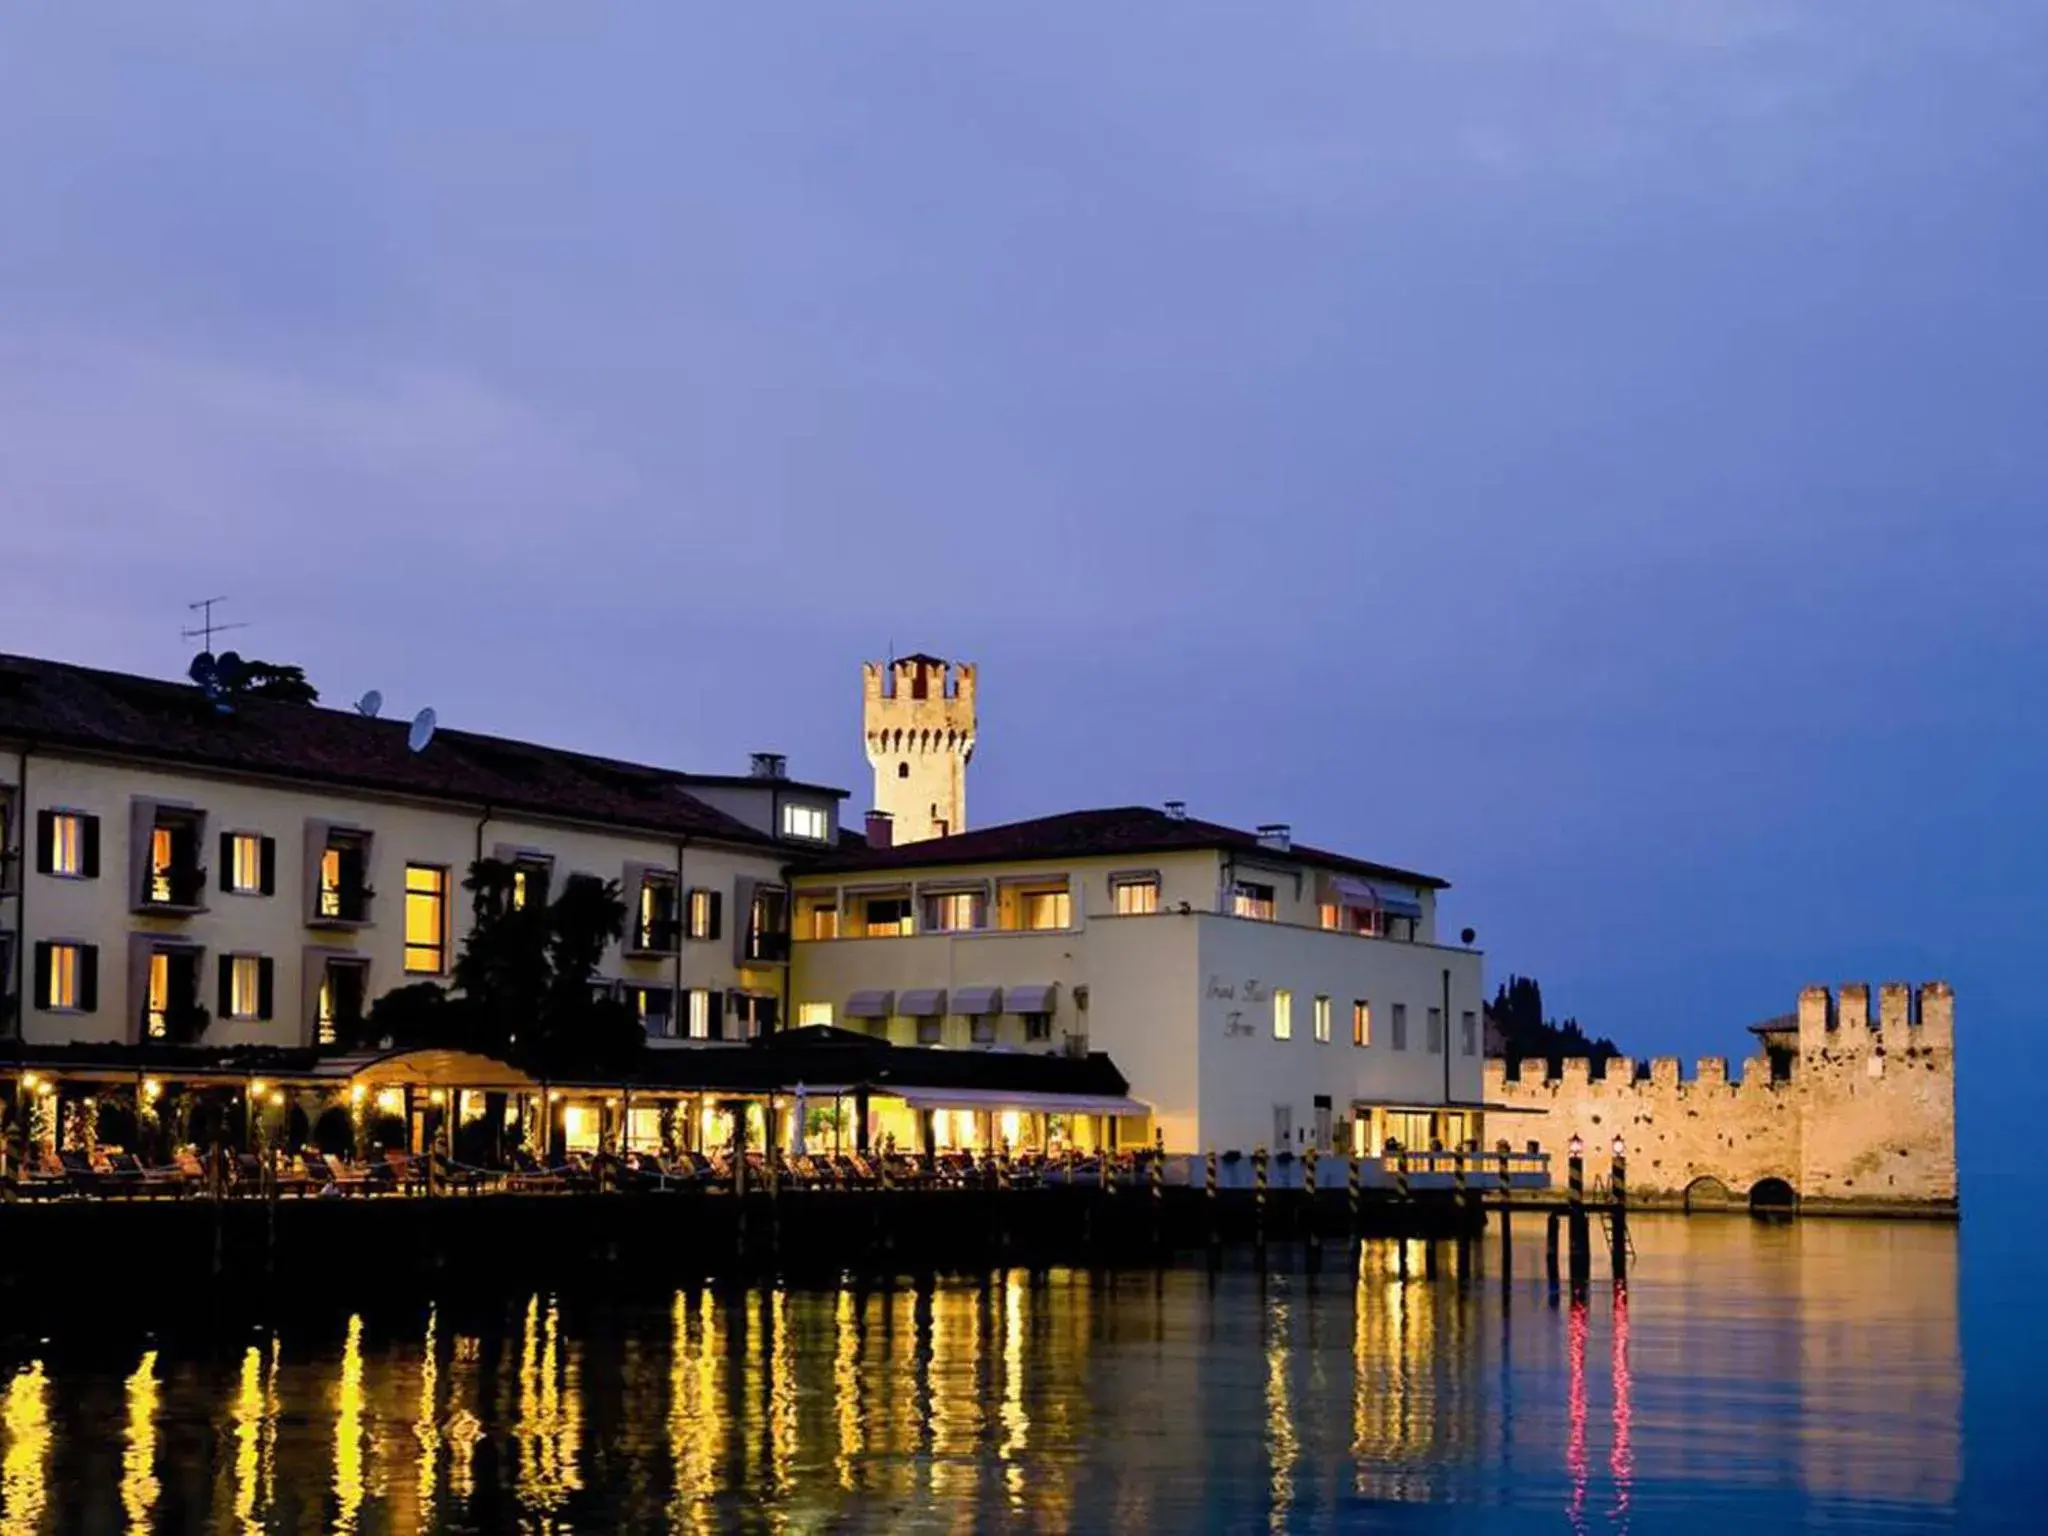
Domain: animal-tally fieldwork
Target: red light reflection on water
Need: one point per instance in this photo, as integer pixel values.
(1575, 1447)
(1621, 1459)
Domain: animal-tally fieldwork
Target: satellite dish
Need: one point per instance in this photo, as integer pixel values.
(370, 703)
(422, 730)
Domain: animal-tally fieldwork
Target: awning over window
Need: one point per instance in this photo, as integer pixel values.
(871, 1005)
(1352, 892)
(1031, 997)
(998, 1098)
(922, 1002)
(975, 1001)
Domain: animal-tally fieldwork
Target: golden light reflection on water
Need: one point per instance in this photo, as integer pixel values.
(139, 1487)
(348, 1430)
(1282, 1447)
(25, 1417)
(1814, 1363)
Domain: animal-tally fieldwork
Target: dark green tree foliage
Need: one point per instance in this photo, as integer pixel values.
(523, 983)
(1517, 1012)
(277, 680)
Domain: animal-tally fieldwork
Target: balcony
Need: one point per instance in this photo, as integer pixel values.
(650, 940)
(174, 889)
(766, 946)
(338, 893)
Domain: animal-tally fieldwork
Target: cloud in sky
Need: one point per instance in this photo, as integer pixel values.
(1586, 449)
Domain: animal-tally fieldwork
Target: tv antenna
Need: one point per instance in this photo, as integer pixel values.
(206, 628)
(422, 730)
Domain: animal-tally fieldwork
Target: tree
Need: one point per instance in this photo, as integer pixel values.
(1517, 1013)
(276, 680)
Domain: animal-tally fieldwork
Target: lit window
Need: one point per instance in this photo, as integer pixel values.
(324, 1031)
(1047, 909)
(886, 916)
(1283, 1014)
(1254, 901)
(68, 835)
(1361, 1022)
(1400, 1026)
(700, 1014)
(426, 919)
(1331, 914)
(530, 882)
(811, 1015)
(824, 922)
(704, 913)
(158, 1022)
(953, 912)
(1136, 898)
(67, 973)
(1435, 1031)
(245, 862)
(244, 990)
(330, 882)
(1322, 1021)
(654, 1008)
(655, 924)
(808, 821)
(343, 894)
(1468, 1031)
(162, 857)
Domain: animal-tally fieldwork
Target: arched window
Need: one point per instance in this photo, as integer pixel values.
(903, 770)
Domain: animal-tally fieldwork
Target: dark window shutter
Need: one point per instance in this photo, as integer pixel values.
(46, 842)
(765, 1013)
(88, 978)
(91, 848)
(269, 861)
(264, 980)
(42, 979)
(227, 987)
(717, 914)
(227, 861)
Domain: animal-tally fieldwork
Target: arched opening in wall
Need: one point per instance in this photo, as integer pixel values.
(1708, 1194)
(1771, 1197)
(903, 770)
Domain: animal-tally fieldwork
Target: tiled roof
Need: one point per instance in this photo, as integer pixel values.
(1127, 830)
(55, 704)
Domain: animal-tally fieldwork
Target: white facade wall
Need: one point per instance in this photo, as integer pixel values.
(1183, 1002)
(99, 912)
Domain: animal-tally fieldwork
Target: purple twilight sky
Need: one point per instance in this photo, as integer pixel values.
(1592, 451)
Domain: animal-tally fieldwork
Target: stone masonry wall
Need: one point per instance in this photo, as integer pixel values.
(1865, 1120)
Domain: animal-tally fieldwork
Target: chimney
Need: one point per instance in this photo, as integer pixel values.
(1276, 835)
(881, 830)
(1176, 810)
(770, 765)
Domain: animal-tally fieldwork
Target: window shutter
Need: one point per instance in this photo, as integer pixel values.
(91, 847)
(227, 861)
(88, 978)
(764, 1013)
(264, 979)
(717, 914)
(227, 988)
(43, 948)
(269, 861)
(46, 849)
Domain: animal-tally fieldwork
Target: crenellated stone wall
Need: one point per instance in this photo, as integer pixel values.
(1860, 1114)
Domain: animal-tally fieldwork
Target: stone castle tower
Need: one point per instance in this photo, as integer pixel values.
(918, 715)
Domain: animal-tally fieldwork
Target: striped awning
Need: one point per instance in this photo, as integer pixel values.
(1353, 892)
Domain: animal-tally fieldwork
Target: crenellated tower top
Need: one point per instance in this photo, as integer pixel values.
(918, 719)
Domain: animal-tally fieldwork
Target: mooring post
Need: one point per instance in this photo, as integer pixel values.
(1259, 1197)
(1209, 1207)
(1550, 1250)
(1507, 1241)
(1351, 1183)
(1309, 1212)
(1618, 1233)
(1579, 1236)
(1158, 1189)
(1461, 1206)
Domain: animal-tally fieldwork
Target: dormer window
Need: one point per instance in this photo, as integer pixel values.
(810, 822)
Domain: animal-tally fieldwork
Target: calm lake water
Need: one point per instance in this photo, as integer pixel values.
(1789, 1375)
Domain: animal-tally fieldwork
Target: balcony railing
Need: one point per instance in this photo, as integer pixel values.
(656, 938)
(179, 1024)
(177, 889)
(767, 946)
(342, 905)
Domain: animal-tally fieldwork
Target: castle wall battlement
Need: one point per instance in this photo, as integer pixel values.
(1861, 1115)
